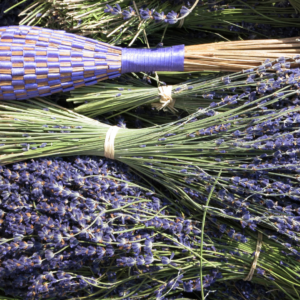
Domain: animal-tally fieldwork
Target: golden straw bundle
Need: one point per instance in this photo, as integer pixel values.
(239, 55)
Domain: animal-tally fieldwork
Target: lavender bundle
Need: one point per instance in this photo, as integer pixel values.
(131, 93)
(39, 62)
(126, 23)
(190, 95)
(255, 143)
(80, 228)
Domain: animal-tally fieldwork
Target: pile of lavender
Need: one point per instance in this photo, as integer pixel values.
(82, 227)
(190, 206)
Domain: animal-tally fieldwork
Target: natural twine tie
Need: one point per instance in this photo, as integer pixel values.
(256, 255)
(109, 144)
(165, 101)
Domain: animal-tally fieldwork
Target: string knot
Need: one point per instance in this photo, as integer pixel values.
(109, 144)
(165, 101)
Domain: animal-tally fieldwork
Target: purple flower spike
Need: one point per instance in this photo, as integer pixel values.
(168, 261)
(146, 14)
(49, 254)
(159, 17)
(113, 10)
(184, 11)
(127, 14)
(171, 18)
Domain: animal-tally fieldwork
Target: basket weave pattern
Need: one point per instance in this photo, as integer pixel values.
(39, 62)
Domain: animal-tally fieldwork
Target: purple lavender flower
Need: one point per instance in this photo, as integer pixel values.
(146, 14)
(159, 17)
(184, 11)
(113, 10)
(171, 17)
(188, 286)
(49, 254)
(168, 261)
(127, 14)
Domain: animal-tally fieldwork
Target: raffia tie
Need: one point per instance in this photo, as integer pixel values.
(165, 101)
(109, 144)
(256, 255)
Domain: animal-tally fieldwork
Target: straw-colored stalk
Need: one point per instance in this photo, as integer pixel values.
(239, 55)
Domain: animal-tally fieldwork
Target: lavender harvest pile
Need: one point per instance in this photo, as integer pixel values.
(61, 215)
(80, 228)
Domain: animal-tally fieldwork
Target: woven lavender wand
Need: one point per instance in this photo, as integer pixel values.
(39, 62)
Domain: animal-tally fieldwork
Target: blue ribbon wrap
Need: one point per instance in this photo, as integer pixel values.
(150, 60)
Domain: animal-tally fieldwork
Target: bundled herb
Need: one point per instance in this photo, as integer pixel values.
(255, 143)
(81, 228)
(204, 91)
(130, 93)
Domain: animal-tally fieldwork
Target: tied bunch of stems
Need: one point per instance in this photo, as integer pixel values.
(255, 143)
(240, 55)
(109, 19)
(129, 93)
(117, 239)
(188, 96)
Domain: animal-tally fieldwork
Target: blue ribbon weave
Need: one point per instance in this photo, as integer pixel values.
(149, 60)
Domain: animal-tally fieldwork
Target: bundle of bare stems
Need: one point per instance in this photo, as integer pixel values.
(238, 55)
